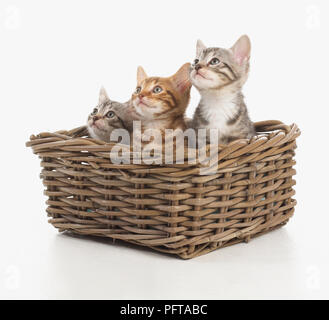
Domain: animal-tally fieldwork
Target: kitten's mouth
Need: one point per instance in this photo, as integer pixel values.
(141, 103)
(139, 107)
(94, 125)
(200, 75)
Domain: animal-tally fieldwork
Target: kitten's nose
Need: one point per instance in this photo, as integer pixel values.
(197, 67)
(95, 118)
(140, 96)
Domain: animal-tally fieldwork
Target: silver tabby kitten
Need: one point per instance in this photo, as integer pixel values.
(107, 116)
(219, 75)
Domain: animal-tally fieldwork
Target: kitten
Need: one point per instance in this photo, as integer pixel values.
(219, 74)
(109, 115)
(160, 103)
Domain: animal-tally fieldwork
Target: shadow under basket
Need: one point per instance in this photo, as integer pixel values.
(170, 208)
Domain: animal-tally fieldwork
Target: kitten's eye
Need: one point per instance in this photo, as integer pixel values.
(196, 61)
(214, 61)
(138, 89)
(157, 89)
(94, 111)
(110, 114)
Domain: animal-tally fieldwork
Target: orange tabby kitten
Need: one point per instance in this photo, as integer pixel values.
(161, 102)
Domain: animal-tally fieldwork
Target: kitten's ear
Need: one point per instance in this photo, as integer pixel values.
(141, 75)
(200, 47)
(103, 97)
(241, 50)
(181, 78)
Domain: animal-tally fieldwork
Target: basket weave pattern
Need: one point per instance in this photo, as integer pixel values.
(174, 208)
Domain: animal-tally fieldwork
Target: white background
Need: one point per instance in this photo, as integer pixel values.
(55, 55)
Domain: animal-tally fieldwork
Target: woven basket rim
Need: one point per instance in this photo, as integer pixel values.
(270, 132)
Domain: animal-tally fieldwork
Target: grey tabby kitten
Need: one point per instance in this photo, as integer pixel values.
(219, 75)
(107, 116)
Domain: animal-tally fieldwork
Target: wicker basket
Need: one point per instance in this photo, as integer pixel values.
(173, 209)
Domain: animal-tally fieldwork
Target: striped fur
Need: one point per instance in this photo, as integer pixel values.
(100, 123)
(219, 75)
(164, 109)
